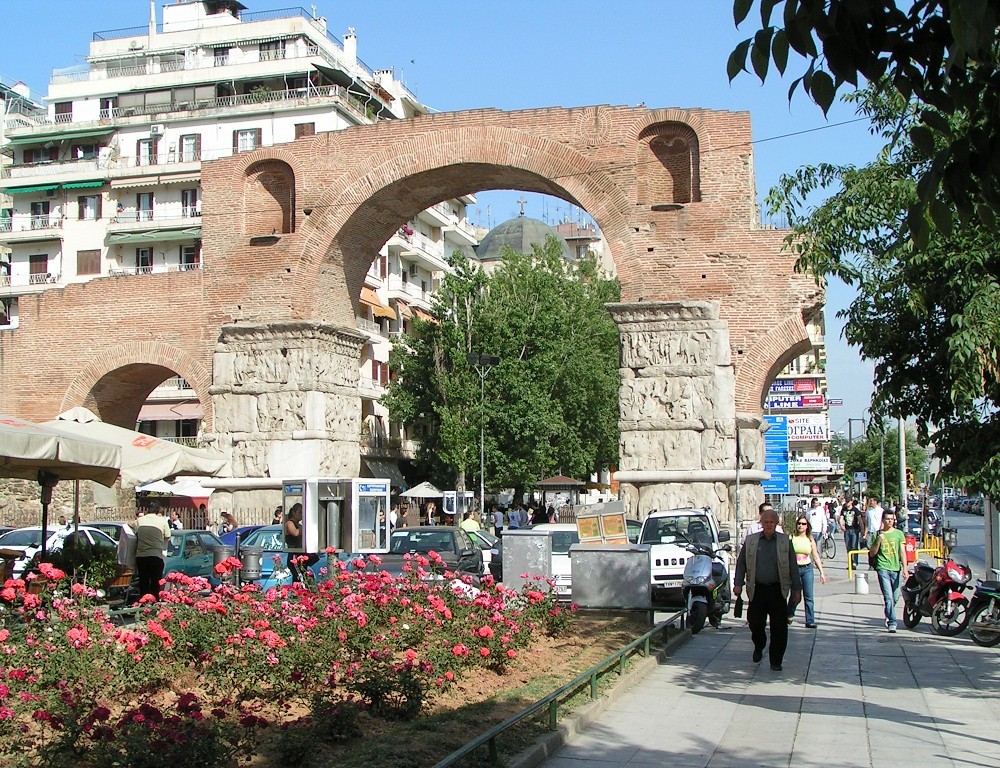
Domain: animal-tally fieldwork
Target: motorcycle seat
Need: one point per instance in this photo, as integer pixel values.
(923, 572)
(989, 586)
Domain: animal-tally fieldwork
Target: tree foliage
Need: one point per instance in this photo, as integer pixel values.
(880, 448)
(925, 312)
(550, 405)
(941, 55)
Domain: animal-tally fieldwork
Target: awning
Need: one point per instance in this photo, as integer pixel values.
(423, 315)
(31, 190)
(404, 310)
(156, 236)
(385, 469)
(61, 135)
(152, 181)
(83, 184)
(171, 411)
(14, 240)
(369, 297)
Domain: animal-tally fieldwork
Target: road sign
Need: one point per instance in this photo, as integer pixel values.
(861, 477)
(831, 401)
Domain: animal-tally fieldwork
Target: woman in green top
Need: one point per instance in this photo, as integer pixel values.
(889, 549)
(804, 546)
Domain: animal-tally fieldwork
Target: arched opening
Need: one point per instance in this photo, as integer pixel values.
(673, 148)
(269, 198)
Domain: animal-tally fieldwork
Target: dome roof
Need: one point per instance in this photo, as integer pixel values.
(518, 234)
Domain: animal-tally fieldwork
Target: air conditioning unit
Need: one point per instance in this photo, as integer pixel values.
(414, 270)
(156, 130)
(50, 193)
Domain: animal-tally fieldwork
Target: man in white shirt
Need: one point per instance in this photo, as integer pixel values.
(873, 520)
(153, 533)
(817, 519)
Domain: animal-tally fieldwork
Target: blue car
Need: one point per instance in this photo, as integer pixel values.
(191, 552)
(229, 539)
(269, 538)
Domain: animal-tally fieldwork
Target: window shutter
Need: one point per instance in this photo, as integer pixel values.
(100, 199)
(197, 251)
(236, 142)
(138, 152)
(197, 146)
(256, 138)
(81, 208)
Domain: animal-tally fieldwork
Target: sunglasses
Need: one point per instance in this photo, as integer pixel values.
(802, 522)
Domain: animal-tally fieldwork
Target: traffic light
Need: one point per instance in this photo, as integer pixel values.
(909, 477)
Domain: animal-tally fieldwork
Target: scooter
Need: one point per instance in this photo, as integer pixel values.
(705, 585)
(984, 626)
(937, 593)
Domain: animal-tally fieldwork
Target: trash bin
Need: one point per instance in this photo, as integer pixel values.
(911, 549)
(219, 554)
(251, 558)
(950, 536)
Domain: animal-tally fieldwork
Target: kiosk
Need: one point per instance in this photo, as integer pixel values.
(349, 514)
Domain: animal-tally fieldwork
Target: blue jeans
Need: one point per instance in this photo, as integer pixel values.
(808, 576)
(888, 582)
(852, 540)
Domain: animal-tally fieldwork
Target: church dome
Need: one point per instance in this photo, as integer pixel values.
(518, 234)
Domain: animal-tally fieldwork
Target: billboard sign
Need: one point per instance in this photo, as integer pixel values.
(811, 428)
(776, 454)
(791, 402)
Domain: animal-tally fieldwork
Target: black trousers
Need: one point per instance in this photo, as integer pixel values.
(150, 572)
(769, 605)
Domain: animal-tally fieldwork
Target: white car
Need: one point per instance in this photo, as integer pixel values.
(488, 544)
(668, 533)
(563, 536)
(28, 541)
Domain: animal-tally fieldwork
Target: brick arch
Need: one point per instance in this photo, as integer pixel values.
(361, 208)
(268, 197)
(115, 383)
(770, 353)
(674, 148)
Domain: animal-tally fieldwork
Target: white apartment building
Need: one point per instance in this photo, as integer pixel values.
(104, 181)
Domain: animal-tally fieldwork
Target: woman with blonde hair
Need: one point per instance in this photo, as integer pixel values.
(806, 555)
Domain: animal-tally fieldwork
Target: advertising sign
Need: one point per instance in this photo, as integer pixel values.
(807, 464)
(782, 385)
(813, 427)
(784, 402)
(776, 454)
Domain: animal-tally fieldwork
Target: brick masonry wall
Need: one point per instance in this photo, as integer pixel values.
(107, 343)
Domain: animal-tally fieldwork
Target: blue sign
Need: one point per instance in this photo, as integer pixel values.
(372, 488)
(776, 455)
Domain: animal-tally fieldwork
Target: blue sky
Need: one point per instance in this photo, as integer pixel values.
(520, 55)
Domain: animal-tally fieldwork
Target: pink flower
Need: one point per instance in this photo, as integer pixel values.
(485, 631)
(460, 650)
(484, 652)
(512, 654)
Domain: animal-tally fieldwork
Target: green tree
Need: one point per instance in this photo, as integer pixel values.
(940, 55)
(925, 313)
(878, 447)
(550, 405)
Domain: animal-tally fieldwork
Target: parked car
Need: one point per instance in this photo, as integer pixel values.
(113, 528)
(634, 528)
(563, 536)
(28, 542)
(457, 550)
(229, 539)
(488, 544)
(270, 539)
(191, 552)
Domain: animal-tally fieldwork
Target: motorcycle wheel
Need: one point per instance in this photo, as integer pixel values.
(950, 622)
(989, 637)
(697, 616)
(911, 617)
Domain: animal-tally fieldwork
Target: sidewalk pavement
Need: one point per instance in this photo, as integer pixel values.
(850, 694)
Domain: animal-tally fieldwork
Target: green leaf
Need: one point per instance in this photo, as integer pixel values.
(766, 6)
(822, 90)
(779, 50)
(923, 139)
(941, 214)
(760, 54)
(737, 60)
(741, 8)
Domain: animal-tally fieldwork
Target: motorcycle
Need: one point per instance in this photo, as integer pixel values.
(937, 593)
(705, 586)
(984, 626)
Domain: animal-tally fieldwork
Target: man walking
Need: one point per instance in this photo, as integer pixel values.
(889, 549)
(850, 524)
(873, 520)
(152, 533)
(817, 520)
(766, 566)
(497, 521)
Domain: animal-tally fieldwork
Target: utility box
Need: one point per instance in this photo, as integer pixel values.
(526, 552)
(950, 536)
(611, 577)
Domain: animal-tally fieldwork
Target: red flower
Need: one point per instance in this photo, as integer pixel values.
(460, 650)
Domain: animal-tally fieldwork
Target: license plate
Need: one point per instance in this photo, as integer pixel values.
(669, 583)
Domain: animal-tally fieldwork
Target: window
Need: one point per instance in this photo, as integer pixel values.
(189, 203)
(272, 51)
(246, 139)
(108, 105)
(38, 264)
(305, 129)
(64, 112)
(190, 256)
(83, 151)
(190, 148)
(145, 152)
(88, 207)
(88, 262)
(221, 57)
(40, 214)
(143, 261)
(41, 155)
(144, 206)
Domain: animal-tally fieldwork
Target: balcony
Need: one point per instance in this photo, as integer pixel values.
(20, 285)
(388, 447)
(158, 269)
(153, 226)
(370, 389)
(408, 291)
(26, 229)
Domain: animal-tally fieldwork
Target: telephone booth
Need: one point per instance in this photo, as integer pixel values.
(349, 514)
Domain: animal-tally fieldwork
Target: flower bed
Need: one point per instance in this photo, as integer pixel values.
(215, 671)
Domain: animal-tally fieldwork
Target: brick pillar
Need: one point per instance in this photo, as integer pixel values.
(286, 404)
(678, 414)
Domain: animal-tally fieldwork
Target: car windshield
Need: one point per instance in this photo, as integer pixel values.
(484, 538)
(23, 537)
(421, 541)
(269, 539)
(563, 540)
(693, 529)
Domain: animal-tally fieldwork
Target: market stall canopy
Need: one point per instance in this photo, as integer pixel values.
(422, 491)
(143, 458)
(559, 483)
(26, 448)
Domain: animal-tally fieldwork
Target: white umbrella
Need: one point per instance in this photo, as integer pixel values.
(48, 455)
(144, 458)
(157, 486)
(422, 491)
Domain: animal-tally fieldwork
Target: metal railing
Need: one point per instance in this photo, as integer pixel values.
(551, 702)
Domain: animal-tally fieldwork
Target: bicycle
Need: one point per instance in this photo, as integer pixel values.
(828, 545)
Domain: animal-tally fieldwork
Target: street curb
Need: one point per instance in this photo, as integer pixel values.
(546, 746)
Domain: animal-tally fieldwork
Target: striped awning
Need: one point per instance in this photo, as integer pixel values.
(83, 184)
(423, 315)
(32, 189)
(404, 309)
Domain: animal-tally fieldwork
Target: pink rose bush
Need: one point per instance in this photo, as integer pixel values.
(207, 670)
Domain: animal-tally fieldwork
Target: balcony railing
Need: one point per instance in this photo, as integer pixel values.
(14, 281)
(370, 388)
(31, 223)
(157, 269)
(154, 217)
(368, 325)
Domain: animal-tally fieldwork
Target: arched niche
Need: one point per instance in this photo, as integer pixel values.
(269, 198)
(670, 151)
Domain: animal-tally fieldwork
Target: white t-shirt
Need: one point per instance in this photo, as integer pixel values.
(817, 519)
(873, 515)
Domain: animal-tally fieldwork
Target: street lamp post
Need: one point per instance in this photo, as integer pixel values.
(482, 364)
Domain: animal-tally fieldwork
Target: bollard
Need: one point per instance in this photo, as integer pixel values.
(860, 583)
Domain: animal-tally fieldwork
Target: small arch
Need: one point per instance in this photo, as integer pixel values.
(269, 198)
(769, 354)
(669, 165)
